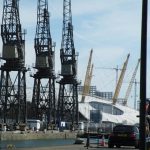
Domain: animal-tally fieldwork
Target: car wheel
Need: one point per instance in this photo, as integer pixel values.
(110, 145)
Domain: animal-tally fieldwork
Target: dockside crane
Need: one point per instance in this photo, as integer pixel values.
(67, 109)
(88, 77)
(119, 84)
(13, 71)
(43, 99)
(130, 84)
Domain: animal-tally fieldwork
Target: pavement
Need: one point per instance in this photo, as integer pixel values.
(70, 147)
(73, 147)
(66, 147)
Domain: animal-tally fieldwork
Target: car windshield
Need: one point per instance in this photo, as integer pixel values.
(123, 129)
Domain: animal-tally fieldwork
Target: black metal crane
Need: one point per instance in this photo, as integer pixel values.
(67, 109)
(13, 71)
(43, 99)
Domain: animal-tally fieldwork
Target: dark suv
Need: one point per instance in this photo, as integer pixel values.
(124, 135)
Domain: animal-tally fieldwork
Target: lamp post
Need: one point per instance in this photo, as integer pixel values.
(143, 74)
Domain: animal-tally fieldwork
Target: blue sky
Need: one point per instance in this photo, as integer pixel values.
(111, 27)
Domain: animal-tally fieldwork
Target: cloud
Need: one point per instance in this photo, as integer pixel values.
(110, 26)
(88, 7)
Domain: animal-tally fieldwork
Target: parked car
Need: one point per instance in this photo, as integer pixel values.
(124, 135)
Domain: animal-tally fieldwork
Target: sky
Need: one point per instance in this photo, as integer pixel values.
(112, 28)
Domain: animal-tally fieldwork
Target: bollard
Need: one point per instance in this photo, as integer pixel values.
(102, 143)
(88, 141)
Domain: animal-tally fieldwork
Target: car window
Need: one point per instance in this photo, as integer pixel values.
(123, 129)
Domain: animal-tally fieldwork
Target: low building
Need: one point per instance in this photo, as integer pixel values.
(34, 124)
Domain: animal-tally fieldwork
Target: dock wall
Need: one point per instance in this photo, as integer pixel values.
(36, 135)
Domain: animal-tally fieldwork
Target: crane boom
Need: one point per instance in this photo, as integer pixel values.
(130, 84)
(85, 87)
(119, 84)
(12, 35)
(67, 51)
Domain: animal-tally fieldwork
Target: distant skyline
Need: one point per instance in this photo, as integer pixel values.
(112, 28)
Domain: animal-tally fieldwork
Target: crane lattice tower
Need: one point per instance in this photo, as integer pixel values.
(67, 109)
(43, 99)
(13, 71)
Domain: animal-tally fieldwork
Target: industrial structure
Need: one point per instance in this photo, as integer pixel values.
(13, 71)
(119, 84)
(88, 78)
(130, 84)
(67, 109)
(43, 99)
